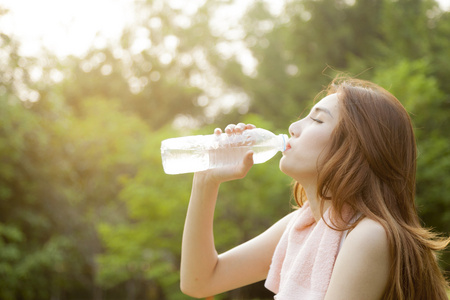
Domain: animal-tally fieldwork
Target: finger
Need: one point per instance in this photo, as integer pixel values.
(217, 131)
(230, 129)
(240, 128)
(250, 126)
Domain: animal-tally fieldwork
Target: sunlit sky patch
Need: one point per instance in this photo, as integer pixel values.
(65, 27)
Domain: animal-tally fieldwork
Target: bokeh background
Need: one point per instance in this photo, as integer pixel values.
(89, 89)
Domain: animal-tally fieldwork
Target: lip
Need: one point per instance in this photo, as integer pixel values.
(288, 147)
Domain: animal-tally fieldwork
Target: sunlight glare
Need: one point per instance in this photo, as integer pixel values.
(65, 27)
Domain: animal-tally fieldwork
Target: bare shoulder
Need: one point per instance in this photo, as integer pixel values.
(368, 241)
(362, 266)
(369, 233)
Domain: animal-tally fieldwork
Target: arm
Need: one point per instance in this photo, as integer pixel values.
(363, 264)
(203, 271)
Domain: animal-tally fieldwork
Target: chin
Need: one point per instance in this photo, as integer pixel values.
(282, 166)
(296, 173)
(287, 169)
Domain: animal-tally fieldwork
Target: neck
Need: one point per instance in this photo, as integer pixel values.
(314, 202)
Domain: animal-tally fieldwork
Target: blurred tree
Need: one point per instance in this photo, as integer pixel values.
(144, 253)
(34, 249)
(158, 71)
(103, 144)
(29, 246)
(143, 85)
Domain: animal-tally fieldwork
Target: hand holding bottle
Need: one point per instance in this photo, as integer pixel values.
(236, 171)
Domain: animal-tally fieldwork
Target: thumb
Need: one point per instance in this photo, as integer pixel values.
(241, 170)
(248, 160)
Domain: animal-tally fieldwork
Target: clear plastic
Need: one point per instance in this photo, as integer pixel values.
(202, 152)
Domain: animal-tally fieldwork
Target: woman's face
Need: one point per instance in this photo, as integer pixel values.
(309, 138)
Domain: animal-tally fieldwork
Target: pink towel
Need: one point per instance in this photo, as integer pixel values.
(304, 258)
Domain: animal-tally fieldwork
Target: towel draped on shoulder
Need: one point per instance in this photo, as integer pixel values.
(304, 259)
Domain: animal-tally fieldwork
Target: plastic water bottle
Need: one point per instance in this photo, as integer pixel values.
(202, 152)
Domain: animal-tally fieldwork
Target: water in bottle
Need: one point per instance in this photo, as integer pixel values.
(202, 152)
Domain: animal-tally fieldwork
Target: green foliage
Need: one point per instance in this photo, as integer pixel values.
(32, 234)
(147, 247)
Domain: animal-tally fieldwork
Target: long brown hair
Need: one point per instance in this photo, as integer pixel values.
(370, 168)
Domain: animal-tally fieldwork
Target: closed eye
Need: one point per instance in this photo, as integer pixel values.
(316, 120)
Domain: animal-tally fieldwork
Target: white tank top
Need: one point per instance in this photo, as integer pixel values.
(344, 235)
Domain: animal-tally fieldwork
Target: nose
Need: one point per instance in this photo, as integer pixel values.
(295, 129)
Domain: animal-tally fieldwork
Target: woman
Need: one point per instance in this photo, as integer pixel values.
(357, 234)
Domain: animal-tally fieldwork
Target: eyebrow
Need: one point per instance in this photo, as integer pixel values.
(319, 109)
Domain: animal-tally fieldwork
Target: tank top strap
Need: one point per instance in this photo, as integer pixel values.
(345, 233)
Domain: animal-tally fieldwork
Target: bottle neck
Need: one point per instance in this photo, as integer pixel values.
(283, 141)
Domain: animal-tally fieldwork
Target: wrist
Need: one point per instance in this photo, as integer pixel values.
(205, 178)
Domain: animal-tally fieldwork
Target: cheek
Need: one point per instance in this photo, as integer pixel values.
(308, 149)
(303, 157)
(315, 141)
